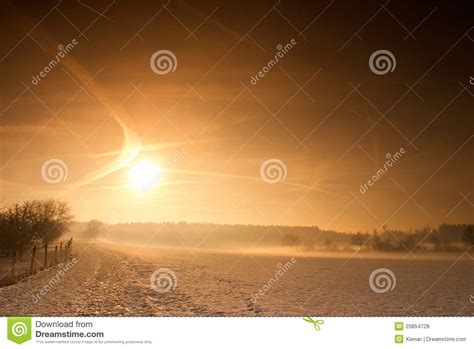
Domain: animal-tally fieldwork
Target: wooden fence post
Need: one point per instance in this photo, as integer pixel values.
(32, 259)
(61, 251)
(56, 255)
(15, 257)
(45, 256)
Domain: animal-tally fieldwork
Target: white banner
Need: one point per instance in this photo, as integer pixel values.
(289, 332)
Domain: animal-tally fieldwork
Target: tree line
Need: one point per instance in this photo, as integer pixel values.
(30, 222)
(445, 237)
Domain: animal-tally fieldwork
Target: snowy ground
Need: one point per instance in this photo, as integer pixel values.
(114, 280)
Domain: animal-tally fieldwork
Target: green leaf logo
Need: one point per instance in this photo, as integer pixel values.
(19, 329)
(316, 323)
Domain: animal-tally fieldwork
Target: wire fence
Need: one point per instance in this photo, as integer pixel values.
(16, 265)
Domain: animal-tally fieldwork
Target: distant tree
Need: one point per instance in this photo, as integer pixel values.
(434, 239)
(291, 239)
(95, 228)
(408, 241)
(468, 236)
(381, 242)
(376, 241)
(329, 245)
(359, 239)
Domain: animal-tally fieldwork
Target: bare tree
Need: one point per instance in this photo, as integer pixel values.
(95, 228)
(17, 226)
(53, 219)
(22, 224)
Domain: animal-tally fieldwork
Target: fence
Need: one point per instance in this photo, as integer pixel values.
(15, 265)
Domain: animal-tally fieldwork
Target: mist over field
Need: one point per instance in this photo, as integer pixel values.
(281, 239)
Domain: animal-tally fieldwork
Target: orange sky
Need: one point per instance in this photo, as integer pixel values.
(320, 111)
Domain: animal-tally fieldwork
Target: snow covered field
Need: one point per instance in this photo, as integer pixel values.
(114, 280)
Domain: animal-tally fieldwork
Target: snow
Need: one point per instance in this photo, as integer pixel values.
(114, 280)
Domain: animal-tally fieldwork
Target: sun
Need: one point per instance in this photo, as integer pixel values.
(144, 175)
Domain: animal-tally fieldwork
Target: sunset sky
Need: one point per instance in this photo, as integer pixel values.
(197, 136)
